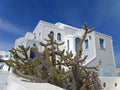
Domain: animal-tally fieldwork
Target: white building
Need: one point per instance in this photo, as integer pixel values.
(97, 46)
(5, 55)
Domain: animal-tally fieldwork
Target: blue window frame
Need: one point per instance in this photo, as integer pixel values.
(59, 36)
(32, 54)
(77, 41)
(101, 41)
(86, 44)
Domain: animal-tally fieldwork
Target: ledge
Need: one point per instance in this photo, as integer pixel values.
(16, 83)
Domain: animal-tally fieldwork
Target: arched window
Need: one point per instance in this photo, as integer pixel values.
(77, 41)
(32, 54)
(51, 32)
(59, 36)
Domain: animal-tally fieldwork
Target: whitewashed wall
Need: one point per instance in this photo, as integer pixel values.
(44, 28)
(110, 83)
(91, 50)
(106, 56)
(16, 83)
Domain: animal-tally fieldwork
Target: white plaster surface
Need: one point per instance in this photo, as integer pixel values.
(3, 79)
(9, 81)
(16, 83)
(110, 83)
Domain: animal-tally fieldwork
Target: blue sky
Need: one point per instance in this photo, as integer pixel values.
(19, 16)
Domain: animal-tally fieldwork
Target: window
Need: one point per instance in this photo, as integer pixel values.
(51, 32)
(77, 41)
(6, 56)
(101, 42)
(59, 36)
(67, 44)
(34, 36)
(32, 54)
(86, 44)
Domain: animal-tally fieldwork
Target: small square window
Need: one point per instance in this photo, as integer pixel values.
(6, 55)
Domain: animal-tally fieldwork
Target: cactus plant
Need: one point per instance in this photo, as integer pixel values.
(49, 65)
